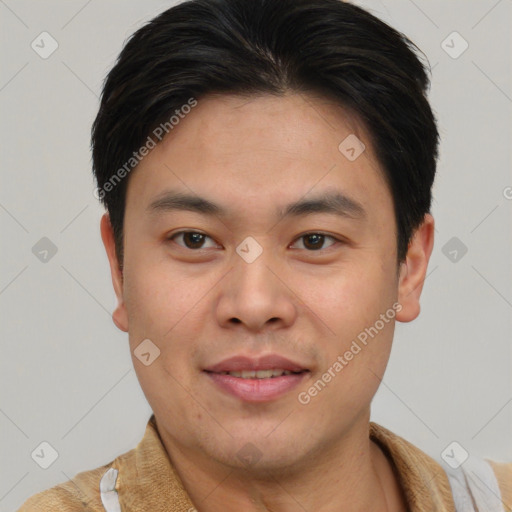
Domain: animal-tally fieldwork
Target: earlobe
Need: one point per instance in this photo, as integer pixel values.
(119, 316)
(413, 271)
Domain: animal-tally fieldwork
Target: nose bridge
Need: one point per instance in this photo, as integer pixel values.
(251, 272)
(254, 294)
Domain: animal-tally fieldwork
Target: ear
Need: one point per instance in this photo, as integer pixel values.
(119, 315)
(414, 270)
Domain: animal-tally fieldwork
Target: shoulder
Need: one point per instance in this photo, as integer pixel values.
(80, 493)
(503, 473)
(482, 481)
(88, 490)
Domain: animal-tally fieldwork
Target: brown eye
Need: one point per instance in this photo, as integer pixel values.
(190, 239)
(315, 241)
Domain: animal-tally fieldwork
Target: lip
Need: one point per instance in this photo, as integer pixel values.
(267, 362)
(257, 390)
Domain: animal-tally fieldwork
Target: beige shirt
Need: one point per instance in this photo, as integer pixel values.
(147, 481)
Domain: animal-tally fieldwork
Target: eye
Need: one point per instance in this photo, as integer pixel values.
(191, 239)
(315, 241)
(195, 240)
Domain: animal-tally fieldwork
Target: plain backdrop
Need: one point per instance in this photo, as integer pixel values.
(66, 374)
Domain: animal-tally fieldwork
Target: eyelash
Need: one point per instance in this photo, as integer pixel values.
(325, 235)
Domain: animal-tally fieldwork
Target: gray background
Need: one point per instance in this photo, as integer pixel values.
(66, 372)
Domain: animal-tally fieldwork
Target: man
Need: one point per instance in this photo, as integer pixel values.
(267, 170)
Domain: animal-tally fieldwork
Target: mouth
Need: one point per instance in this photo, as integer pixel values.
(259, 386)
(256, 380)
(259, 374)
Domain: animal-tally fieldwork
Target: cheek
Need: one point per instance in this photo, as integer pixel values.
(350, 298)
(168, 307)
(350, 304)
(161, 310)
(157, 295)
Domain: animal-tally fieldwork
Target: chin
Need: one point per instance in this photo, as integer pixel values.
(261, 454)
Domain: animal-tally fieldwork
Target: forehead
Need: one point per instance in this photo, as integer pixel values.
(292, 126)
(262, 149)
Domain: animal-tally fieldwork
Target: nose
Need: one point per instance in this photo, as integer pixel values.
(257, 295)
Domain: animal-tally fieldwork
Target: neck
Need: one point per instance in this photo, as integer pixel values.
(352, 475)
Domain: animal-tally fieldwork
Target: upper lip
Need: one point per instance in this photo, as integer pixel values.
(266, 362)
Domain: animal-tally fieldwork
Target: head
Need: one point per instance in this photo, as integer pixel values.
(267, 170)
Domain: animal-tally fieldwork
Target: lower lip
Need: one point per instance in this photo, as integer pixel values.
(257, 390)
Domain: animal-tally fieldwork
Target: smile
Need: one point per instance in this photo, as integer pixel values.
(260, 374)
(257, 386)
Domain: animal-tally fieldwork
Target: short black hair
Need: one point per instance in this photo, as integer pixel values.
(253, 47)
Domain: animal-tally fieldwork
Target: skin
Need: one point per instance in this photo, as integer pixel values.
(251, 155)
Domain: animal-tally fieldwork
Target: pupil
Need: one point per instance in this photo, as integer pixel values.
(317, 241)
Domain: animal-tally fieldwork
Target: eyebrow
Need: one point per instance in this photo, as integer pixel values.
(328, 202)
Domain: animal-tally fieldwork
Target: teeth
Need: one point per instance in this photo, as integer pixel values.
(260, 374)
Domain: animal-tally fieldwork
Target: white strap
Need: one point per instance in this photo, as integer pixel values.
(108, 492)
(474, 484)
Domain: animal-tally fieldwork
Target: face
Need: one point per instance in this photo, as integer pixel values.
(282, 258)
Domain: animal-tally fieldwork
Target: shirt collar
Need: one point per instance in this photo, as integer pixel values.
(147, 481)
(424, 482)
